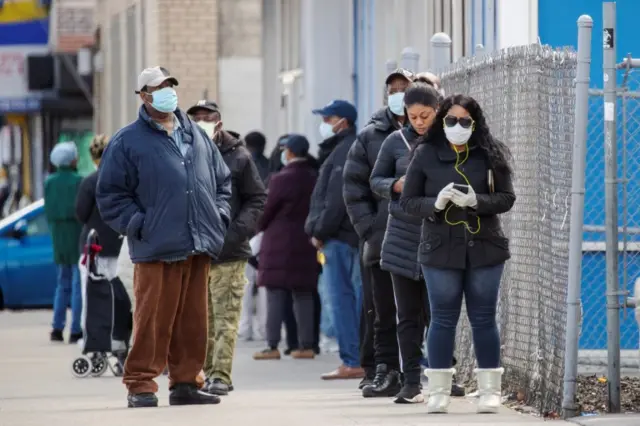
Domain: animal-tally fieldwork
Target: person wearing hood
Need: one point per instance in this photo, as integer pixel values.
(256, 143)
(331, 232)
(227, 273)
(164, 185)
(368, 212)
(60, 192)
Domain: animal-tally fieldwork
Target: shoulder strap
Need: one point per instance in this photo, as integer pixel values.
(405, 140)
(490, 181)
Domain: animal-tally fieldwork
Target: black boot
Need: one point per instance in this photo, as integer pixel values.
(385, 384)
(56, 336)
(189, 394)
(369, 374)
(411, 392)
(142, 400)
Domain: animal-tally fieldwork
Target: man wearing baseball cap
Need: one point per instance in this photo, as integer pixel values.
(227, 273)
(331, 231)
(164, 185)
(369, 214)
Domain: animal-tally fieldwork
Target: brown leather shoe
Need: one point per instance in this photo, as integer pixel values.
(267, 354)
(343, 373)
(303, 354)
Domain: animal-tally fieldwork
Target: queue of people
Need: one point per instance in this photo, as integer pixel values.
(375, 242)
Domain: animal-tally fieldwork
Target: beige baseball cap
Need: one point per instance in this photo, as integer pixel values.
(153, 77)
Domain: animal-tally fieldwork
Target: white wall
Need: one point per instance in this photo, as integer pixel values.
(240, 93)
(517, 22)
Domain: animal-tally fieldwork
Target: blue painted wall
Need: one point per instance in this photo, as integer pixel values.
(557, 27)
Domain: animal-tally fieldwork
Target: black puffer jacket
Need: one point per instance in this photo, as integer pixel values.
(328, 219)
(445, 242)
(402, 238)
(88, 214)
(368, 211)
(248, 196)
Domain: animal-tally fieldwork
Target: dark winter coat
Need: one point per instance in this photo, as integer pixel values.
(88, 214)
(328, 218)
(367, 210)
(454, 247)
(169, 205)
(262, 164)
(60, 191)
(248, 196)
(287, 259)
(402, 237)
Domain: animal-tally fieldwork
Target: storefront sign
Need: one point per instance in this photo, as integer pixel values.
(14, 87)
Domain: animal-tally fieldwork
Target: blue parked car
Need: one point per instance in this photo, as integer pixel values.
(27, 271)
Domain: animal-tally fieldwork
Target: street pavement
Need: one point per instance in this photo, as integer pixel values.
(37, 388)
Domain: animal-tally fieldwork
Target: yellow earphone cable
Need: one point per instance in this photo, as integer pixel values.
(461, 222)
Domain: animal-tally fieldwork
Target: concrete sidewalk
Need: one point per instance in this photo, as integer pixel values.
(37, 388)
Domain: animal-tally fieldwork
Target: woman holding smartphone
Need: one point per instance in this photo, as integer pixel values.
(402, 237)
(458, 182)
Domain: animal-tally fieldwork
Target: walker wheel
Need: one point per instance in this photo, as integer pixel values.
(99, 363)
(81, 367)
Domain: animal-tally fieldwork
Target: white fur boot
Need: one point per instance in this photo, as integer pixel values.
(439, 389)
(489, 389)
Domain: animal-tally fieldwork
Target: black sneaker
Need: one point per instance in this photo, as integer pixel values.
(56, 336)
(188, 394)
(74, 337)
(410, 394)
(142, 400)
(457, 390)
(217, 387)
(369, 375)
(231, 388)
(385, 384)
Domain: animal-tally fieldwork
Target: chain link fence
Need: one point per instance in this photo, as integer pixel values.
(528, 96)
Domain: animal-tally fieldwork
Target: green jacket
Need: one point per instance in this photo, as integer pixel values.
(60, 190)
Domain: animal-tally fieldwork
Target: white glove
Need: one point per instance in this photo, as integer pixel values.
(463, 200)
(444, 196)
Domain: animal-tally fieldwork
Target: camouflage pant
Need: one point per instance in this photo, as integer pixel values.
(226, 287)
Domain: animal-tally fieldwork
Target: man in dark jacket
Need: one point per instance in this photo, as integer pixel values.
(227, 273)
(60, 191)
(368, 213)
(331, 231)
(164, 185)
(256, 143)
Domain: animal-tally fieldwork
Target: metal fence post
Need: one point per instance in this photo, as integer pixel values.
(440, 51)
(581, 119)
(479, 50)
(611, 204)
(409, 59)
(391, 65)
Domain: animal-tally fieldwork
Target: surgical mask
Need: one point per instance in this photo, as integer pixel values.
(165, 100)
(208, 127)
(326, 130)
(283, 158)
(457, 134)
(396, 103)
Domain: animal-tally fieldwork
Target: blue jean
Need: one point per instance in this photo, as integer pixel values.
(480, 287)
(341, 274)
(326, 313)
(68, 292)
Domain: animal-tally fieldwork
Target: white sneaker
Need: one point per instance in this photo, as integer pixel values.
(489, 387)
(439, 389)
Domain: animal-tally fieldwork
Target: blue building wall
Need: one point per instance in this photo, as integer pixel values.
(557, 27)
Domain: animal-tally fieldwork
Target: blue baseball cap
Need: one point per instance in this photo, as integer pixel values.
(297, 144)
(339, 108)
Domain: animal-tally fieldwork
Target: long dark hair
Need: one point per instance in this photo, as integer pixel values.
(496, 152)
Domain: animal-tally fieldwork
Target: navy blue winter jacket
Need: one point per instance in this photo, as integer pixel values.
(168, 205)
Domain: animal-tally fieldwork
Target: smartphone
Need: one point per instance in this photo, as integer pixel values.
(462, 188)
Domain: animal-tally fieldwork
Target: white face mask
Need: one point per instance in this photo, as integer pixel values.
(326, 130)
(457, 134)
(208, 127)
(396, 103)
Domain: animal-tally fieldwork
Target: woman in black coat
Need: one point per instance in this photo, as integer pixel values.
(87, 210)
(458, 181)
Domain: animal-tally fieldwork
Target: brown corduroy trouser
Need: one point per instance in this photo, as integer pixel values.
(169, 323)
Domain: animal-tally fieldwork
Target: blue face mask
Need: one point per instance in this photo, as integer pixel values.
(283, 158)
(396, 103)
(165, 100)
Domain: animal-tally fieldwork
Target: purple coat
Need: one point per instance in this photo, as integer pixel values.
(287, 259)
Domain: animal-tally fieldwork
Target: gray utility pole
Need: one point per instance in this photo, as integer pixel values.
(581, 120)
(611, 202)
